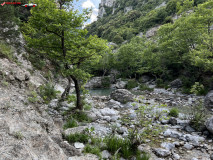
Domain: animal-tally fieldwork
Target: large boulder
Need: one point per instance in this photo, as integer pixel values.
(176, 83)
(121, 84)
(95, 82)
(122, 95)
(209, 124)
(208, 101)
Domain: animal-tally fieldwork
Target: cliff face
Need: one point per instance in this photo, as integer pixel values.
(102, 5)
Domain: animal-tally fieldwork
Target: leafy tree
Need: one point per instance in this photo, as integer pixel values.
(55, 31)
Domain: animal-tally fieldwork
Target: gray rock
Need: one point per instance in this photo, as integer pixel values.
(173, 121)
(105, 154)
(208, 101)
(78, 145)
(84, 157)
(194, 139)
(161, 152)
(211, 156)
(188, 146)
(74, 130)
(95, 82)
(189, 129)
(176, 156)
(209, 125)
(114, 104)
(122, 95)
(109, 112)
(176, 83)
(121, 130)
(121, 84)
(172, 133)
(194, 159)
(168, 146)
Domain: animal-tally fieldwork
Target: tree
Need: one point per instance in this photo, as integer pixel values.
(55, 31)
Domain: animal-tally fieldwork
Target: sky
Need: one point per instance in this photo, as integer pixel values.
(83, 4)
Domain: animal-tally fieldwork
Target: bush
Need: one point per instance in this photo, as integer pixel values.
(144, 87)
(173, 112)
(71, 123)
(132, 83)
(105, 82)
(198, 89)
(78, 137)
(198, 117)
(47, 92)
(6, 51)
(81, 117)
(93, 149)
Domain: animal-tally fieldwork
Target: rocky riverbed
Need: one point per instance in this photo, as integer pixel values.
(178, 140)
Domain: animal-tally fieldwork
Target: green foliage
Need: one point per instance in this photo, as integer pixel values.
(80, 117)
(55, 32)
(87, 107)
(198, 116)
(18, 135)
(48, 92)
(78, 137)
(105, 82)
(131, 84)
(173, 112)
(92, 149)
(198, 89)
(33, 97)
(144, 87)
(118, 39)
(71, 123)
(6, 51)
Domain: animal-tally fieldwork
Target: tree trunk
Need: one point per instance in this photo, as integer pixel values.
(67, 90)
(78, 94)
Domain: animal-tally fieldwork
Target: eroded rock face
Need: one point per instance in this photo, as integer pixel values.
(209, 125)
(121, 84)
(208, 101)
(122, 95)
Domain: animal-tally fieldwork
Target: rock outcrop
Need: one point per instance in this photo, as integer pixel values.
(122, 95)
(208, 101)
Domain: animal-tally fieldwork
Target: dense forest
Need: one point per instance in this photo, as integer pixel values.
(182, 47)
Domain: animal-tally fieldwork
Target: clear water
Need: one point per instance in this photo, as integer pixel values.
(100, 91)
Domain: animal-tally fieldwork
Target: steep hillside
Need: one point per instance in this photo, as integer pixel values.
(121, 20)
(164, 39)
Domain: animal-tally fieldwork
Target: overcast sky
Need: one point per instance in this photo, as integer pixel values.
(83, 4)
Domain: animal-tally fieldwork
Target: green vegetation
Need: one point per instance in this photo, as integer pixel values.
(78, 137)
(132, 83)
(59, 39)
(181, 48)
(80, 117)
(6, 51)
(105, 82)
(198, 116)
(92, 149)
(18, 135)
(71, 123)
(33, 97)
(173, 112)
(144, 87)
(48, 92)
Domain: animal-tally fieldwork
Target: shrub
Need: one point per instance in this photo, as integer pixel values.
(87, 107)
(159, 83)
(78, 137)
(105, 82)
(173, 112)
(198, 117)
(33, 98)
(93, 149)
(198, 89)
(6, 51)
(71, 123)
(144, 87)
(81, 117)
(47, 92)
(132, 83)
